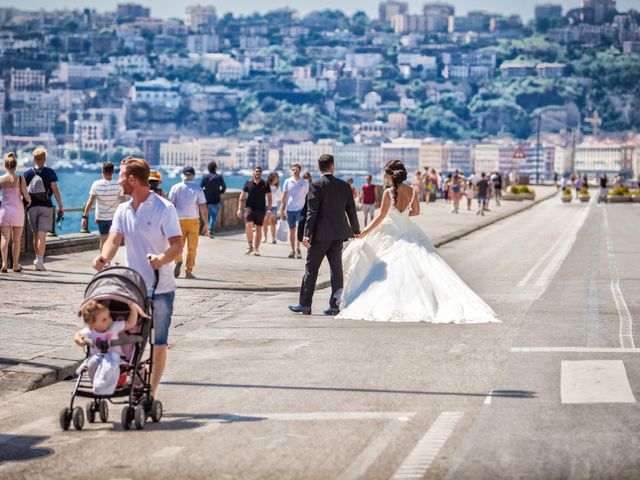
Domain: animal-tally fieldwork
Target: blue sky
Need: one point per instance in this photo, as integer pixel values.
(171, 8)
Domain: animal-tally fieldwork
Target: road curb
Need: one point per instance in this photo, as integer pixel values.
(39, 372)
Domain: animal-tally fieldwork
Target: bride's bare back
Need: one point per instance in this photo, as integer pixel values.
(405, 197)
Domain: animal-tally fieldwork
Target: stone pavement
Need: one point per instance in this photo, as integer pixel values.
(39, 308)
(222, 265)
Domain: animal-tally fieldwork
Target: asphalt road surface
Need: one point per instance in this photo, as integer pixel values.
(548, 393)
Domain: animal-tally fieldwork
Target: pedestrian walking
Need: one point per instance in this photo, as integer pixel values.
(496, 181)
(418, 184)
(555, 179)
(273, 180)
(307, 176)
(368, 199)
(470, 193)
(213, 185)
(482, 193)
(455, 192)
(256, 200)
(42, 183)
(106, 193)
(191, 206)
(354, 190)
(14, 192)
(604, 191)
(155, 180)
(294, 195)
(149, 226)
(578, 186)
(447, 188)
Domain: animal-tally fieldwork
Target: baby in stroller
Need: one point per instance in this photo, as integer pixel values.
(103, 363)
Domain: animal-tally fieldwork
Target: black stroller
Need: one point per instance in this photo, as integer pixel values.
(116, 286)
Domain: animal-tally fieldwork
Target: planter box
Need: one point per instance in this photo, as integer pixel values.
(528, 196)
(618, 199)
(566, 198)
(511, 196)
(635, 198)
(584, 198)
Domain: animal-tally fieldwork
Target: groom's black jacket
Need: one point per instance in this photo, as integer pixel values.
(329, 204)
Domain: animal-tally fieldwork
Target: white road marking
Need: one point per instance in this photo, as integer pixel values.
(626, 322)
(595, 381)
(573, 350)
(167, 452)
(569, 237)
(487, 400)
(373, 450)
(523, 282)
(427, 449)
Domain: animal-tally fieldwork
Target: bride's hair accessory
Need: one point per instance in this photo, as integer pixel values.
(398, 173)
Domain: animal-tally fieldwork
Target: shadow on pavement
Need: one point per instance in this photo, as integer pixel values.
(522, 394)
(18, 448)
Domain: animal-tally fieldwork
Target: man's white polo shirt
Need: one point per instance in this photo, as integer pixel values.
(148, 231)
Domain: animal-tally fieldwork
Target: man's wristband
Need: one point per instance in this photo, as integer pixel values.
(85, 217)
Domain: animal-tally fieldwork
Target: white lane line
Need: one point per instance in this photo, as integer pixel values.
(373, 450)
(523, 282)
(595, 381)
(167, 452)
(556, 261)
(573, 350)
(487, 400)
(427, 449)
(311, 416)
(626, 322)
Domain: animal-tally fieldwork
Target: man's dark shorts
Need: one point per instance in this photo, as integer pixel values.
(254, 216)
(104, 226)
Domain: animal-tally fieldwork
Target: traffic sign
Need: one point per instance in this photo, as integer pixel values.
(519, 153)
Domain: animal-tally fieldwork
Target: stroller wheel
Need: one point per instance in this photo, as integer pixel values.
(140, 417)
(77, 416)
(91, 412)
(156, 410)
(65, 418)
(104, 411)
(127, 417)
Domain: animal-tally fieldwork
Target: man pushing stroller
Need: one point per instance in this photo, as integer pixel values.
(149, 226)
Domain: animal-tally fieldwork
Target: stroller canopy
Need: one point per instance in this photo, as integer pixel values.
(122, 282)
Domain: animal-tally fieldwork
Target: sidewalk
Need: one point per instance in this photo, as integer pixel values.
(222, 265)
(38, 318)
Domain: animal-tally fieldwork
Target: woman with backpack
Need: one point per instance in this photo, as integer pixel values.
(14, 191)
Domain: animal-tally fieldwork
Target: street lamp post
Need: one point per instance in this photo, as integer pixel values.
(538, 150)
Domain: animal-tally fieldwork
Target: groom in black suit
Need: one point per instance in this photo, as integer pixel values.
(329, 204)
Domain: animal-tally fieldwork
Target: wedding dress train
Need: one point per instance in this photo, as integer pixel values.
(394, 274)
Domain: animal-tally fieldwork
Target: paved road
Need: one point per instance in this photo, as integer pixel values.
(547, 393)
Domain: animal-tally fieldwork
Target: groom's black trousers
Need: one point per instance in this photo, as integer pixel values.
(315, 255)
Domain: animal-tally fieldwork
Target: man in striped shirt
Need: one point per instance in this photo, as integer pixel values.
(107, 194)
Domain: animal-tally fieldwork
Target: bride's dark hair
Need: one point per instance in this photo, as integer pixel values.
(398, 173)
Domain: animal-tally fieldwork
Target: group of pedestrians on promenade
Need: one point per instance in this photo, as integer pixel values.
(33, 190)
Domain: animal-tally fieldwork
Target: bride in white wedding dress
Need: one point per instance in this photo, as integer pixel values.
(394, 274)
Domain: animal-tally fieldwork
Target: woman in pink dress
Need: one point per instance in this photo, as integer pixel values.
(14, 189)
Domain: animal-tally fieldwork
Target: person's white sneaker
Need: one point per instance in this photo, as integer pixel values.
(256, 252)
(249, 251)
(39, 266)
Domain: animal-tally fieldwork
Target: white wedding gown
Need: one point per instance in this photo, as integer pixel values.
(394, 274)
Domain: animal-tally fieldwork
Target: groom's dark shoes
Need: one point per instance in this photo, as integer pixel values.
(300, 309)
(332, 311)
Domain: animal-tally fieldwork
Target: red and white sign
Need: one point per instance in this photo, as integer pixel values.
(519, 154)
